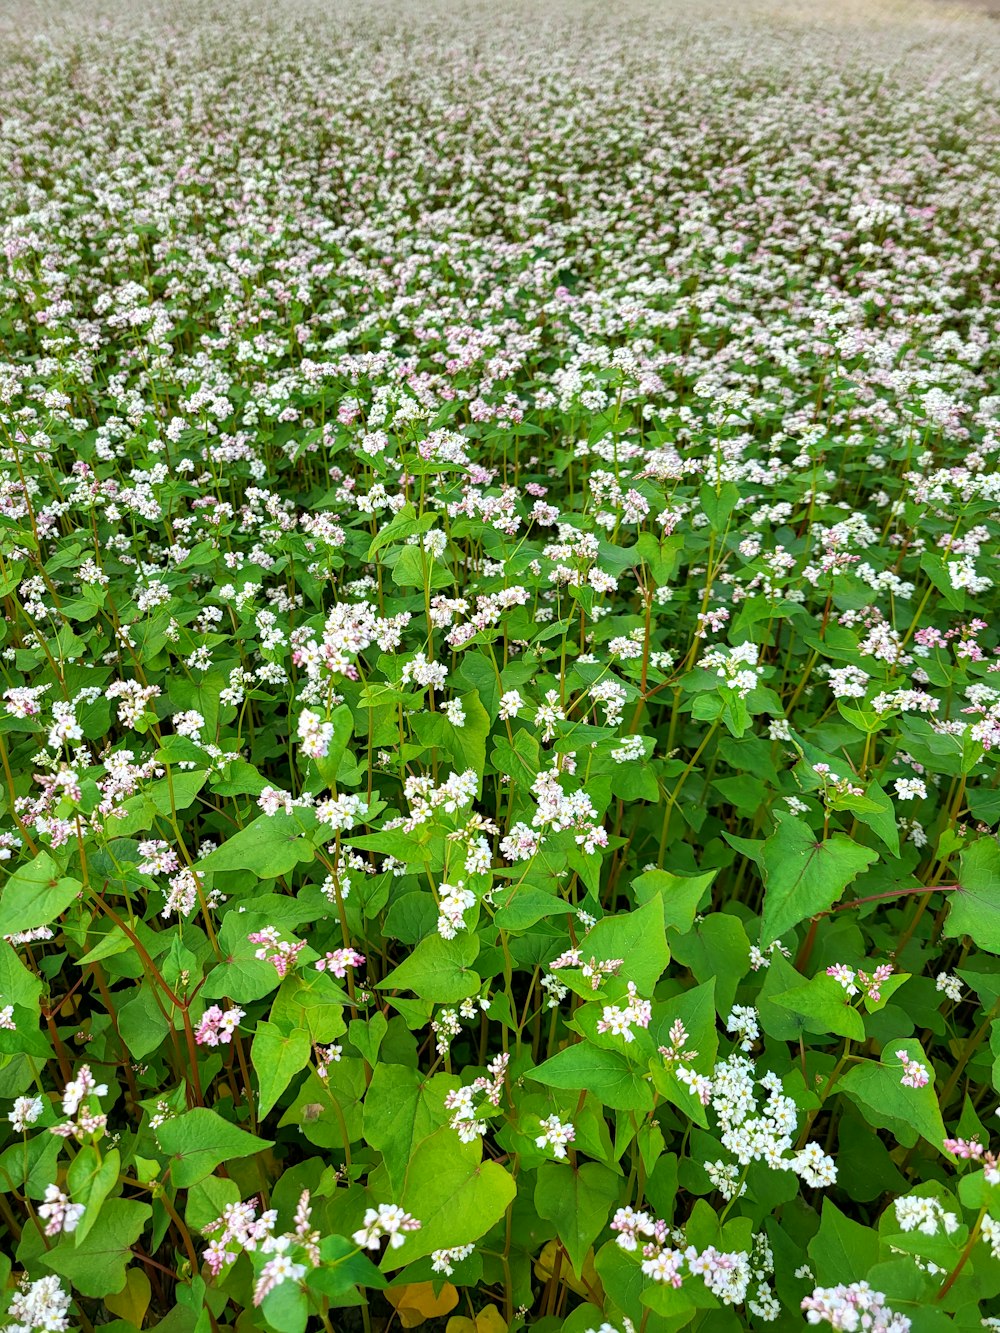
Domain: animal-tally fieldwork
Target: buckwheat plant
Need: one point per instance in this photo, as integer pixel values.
(500, 666)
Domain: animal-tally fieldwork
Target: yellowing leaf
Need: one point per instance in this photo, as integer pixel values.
(587, 1284)
(417, 1302)
(132, 1301)
(488, 1320)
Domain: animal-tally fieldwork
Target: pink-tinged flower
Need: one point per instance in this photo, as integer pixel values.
(75, 1102)
(698, 1084)
(238, 1224)
(26, 1111)
(57, 1211)
(338, 961)
(555, 1135)
(873, 984)
(664, 1266)
(915, 1075)
(217, 1026)
(969, 1149)
(277, 1270)
(82, 1086)
(845, 975)
(855, 1306)
(327, 1056)
(630, 1225)
(281, 953)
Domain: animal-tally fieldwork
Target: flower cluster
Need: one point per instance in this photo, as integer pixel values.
(337, 961)
(499, 523)
(281, 953)
(217, 1025)
(618, 1021)
(388, 1219)
(915, 1074)
(852, 1307)
(556, 1134)
(855, 982)
(40, 1305)
(77, 1100)
(726, 1275)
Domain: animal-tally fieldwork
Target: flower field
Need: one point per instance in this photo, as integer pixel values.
(500, 702)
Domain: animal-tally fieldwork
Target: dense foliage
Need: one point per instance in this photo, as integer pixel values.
(499, 524)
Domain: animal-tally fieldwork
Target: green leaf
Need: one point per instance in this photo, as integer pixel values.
(206, 1200)
(367, 1035)
(31, 1164)
(97, 1267)
(694, 1008)
(825, 1006)
(842, 1250)
(881, 821)
(413, 568)
(887, 1104)
(142, 811)
(637, 936)
(719, 505)
(90, 1181)
(974, 905)
(716, 949)
(132, 1302)
(198, 1141)
(109, 945)
(438, 969)
(607, 1074)
(745, 793)
(402, 1108)
(241, 976)
(313, 1002)
(776, 1020)
(634, 782)
(682, 895)
(35, 895)
(343, 1269)
(141, 1021)
(286, 1308)
(520, 761)
(277, 1057)
(523, 908)
(17, 984)
(456, 1196)
(404, 524)
(934, 567)
(578, 1200)
(803, 877)
(271, 845)
(469, 742)
(342, 720)
(622, 1278)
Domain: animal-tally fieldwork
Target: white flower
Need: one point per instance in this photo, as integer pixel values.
(742, 1021)
(26, 1111)
(510, 705)
(43, 1305)
(555, 1135)
(57, 1210)
(951, 985)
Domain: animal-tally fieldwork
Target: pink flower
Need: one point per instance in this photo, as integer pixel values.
(217, 1027)
(915, 1075)
(282, 953)
(339, 960)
